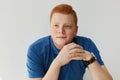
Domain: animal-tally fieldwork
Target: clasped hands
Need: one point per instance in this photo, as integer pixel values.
(70, 52)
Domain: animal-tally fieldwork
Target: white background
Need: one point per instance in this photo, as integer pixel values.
(24, 21)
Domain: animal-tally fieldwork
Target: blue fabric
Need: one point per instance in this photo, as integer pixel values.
(42, 52)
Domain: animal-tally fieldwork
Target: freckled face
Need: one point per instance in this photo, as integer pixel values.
(62, 29)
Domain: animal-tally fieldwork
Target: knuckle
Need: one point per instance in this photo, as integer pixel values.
(65, 46)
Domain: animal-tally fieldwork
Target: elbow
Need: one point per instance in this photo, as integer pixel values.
(111, 78)
(104, 78)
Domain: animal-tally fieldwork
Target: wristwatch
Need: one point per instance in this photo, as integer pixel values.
(90, 61)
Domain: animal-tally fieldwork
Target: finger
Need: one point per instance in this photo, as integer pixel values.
(76, 55)
(77, 58)
(73, 45)
(76, 50)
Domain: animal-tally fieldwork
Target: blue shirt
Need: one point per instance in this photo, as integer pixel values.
(42, 52)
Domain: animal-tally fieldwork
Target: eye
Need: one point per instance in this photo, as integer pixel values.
(67, 26)
(55, 25)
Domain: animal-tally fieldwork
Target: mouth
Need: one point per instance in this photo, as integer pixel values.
(61, 37)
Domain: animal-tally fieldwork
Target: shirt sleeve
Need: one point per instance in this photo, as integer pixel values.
(34, 63)
(95, 51)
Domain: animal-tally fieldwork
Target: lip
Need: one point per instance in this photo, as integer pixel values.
(60, 37)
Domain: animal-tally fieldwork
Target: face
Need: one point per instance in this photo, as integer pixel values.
(62, 29)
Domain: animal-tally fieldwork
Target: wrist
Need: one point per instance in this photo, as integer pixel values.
(57, 63)
(88, 56)
(90, 61)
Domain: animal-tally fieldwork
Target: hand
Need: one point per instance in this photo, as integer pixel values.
(87, 56)
(70, 52)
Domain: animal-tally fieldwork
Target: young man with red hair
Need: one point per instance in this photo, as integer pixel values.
(63, 55)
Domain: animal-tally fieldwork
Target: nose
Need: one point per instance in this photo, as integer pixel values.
(61, 30)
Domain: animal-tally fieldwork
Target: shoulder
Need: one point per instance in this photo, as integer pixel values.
(40, 43)
(82, 39)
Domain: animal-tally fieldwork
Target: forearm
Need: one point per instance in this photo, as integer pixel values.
(53, 72)
(98, 72)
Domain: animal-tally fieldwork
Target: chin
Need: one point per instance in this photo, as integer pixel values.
(60, 43)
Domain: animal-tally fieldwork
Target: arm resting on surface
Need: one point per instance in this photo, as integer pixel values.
(99, 72)
(52, 73)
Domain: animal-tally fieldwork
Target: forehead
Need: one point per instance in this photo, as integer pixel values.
(58, 17)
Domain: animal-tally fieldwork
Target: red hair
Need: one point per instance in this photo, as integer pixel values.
(64, 9)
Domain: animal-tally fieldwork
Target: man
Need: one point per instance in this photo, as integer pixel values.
(63, 55)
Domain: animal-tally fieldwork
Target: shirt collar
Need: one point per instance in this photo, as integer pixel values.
(56, 51)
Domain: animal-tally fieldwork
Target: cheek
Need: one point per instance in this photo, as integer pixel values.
(71, 33)
(52, 31)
